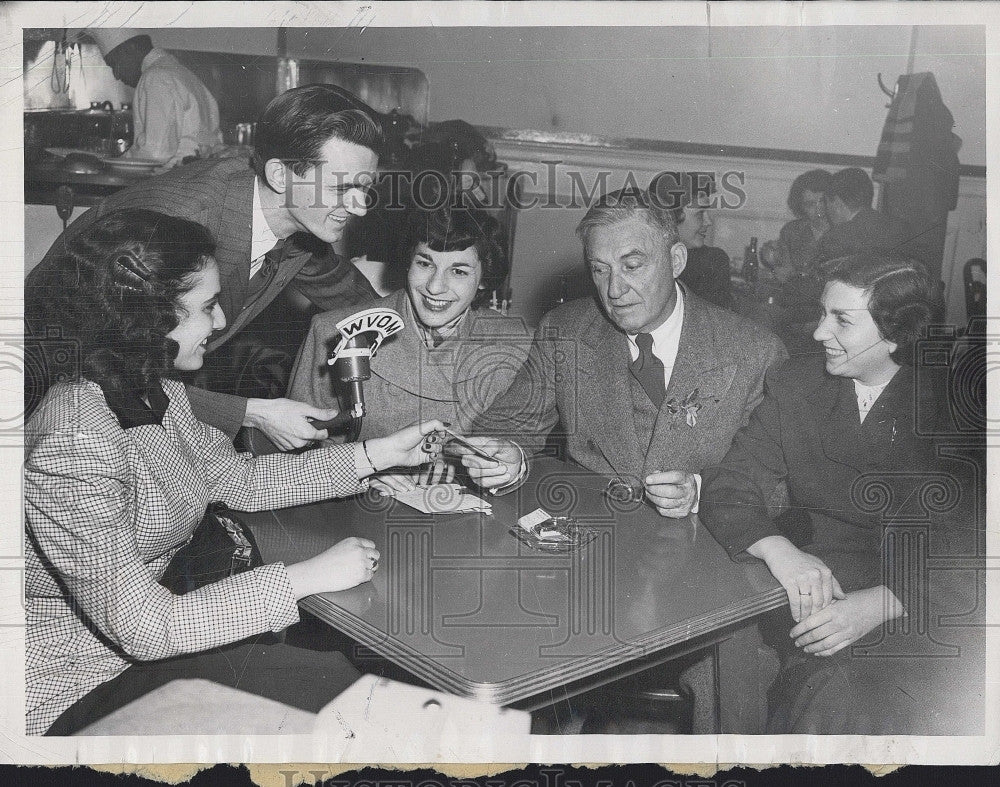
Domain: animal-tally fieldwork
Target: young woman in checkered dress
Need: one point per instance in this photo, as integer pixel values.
(118, 474)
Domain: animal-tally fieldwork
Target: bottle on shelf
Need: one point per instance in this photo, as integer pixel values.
(751, 262)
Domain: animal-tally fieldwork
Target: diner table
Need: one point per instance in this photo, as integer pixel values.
(464, 605)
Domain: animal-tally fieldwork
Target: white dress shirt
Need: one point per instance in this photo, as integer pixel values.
(666, 339)
(262, 238)
(175, 115)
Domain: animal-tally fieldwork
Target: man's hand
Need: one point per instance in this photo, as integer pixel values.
(810, 585)
(489, 474)
(846, 620)
(284, 421)
(673, 493)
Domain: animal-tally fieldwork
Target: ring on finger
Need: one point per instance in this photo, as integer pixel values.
(374, 562)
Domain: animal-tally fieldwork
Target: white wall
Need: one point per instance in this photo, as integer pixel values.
(797, 88)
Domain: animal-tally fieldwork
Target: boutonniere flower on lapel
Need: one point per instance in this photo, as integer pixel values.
(687, 408)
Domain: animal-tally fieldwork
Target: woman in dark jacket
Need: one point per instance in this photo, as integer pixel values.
(845, 432)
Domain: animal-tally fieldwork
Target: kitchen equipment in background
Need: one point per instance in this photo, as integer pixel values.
(97, 130)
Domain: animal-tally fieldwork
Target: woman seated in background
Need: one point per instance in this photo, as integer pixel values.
(797, 245)
(841, 429)
(707, 268)
(454, 356)
(119, 474)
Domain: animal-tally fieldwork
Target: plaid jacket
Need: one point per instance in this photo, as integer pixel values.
(108, 504)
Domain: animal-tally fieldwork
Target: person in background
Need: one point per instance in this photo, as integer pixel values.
(841, 429)
(448, 165)
(453, 357)
(118, 474)
(707, 268)
(792, 260)
(472, 155)
(272, 235)
(795, 250)
(855, 226)
(174, 115)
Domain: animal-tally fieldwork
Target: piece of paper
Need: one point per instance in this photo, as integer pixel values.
(536, 517)
(443, 499)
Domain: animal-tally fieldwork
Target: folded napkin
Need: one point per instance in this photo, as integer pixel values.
(443, 499)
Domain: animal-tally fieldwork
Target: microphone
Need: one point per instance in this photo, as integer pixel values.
(351, 367)
(360, 337)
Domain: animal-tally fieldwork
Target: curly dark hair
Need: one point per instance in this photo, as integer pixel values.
(815, 180)
(120, 281)
(457, 229)
(296, 125)
(464, 142)
(902, 298)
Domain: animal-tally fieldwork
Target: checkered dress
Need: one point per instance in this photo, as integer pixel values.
(108, 507)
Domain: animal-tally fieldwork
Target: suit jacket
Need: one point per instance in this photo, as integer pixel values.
(218, 194)
(845, 476)
(868, 231)
(707, 274)
(454, 382)
(577, 377)
(109, 500)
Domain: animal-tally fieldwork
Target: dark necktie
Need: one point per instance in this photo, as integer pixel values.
(262, 278)
(648, 370)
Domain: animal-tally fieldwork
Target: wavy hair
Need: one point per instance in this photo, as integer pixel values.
(457, 229)
(296, 125)
(118, 284)
(624, 204)
(902, 298)
(815, 180)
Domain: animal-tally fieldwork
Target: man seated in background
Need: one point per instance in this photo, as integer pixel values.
(856, 227)
(174, 114)
(273, 222)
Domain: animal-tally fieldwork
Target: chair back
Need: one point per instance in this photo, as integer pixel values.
(974, 276)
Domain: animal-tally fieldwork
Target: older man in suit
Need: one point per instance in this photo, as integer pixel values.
(650, 384)
(273, 221)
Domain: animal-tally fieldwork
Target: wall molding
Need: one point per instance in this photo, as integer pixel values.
(590, 146)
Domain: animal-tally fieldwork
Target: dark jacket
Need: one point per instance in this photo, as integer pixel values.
(868, 232)
(846, 479)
